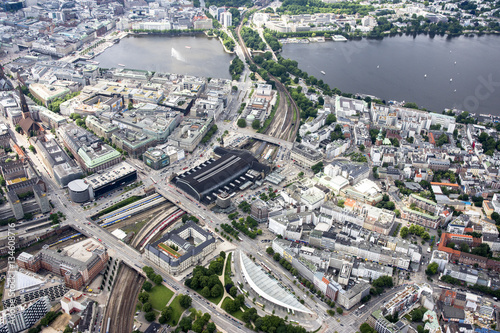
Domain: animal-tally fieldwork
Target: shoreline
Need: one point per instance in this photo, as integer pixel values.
(191, 33)
(350, 37)
(310, 40)
(419, 93)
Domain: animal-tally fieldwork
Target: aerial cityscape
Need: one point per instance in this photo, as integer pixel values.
(249, 166)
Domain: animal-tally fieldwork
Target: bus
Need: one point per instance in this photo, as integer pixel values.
(257, 303)
(443, 287)
(152, 179)
(202, 217)
(362, 306)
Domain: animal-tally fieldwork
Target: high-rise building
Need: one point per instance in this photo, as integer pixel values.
(23, 316)
(259, 211)
(226, 19)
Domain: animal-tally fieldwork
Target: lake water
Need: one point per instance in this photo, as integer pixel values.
(193, 55)
(435, 73)
(397, 68)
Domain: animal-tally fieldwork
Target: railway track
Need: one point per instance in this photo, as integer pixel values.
(282, 125)
(120, 309)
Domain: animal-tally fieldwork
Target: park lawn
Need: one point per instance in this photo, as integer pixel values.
(228, 264)
(238, 314)
(177, 311)
(215, 300)
(227, 273)
(159, 297)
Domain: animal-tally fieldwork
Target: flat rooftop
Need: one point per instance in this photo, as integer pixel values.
(116, 172)
(83, 250)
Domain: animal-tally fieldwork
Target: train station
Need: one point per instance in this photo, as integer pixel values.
(233, 171)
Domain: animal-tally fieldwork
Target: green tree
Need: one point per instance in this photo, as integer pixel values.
(216, 290)
(150, 316)
(256, 124)
(496, 217)
(432, 268)
(147, 286)
(362, 147)
(270, 250)
(403, 232)
(241, 123)
(339, 310)
(166, 315)
(464, 247)
(157, 279)
(205, 292)
(417, 315)
(147, 307)
(331, 118)
(143, 297)
(365, 328)
(211, 327)
(185, 301)
(318, 167)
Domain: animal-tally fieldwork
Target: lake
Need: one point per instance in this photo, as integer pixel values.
(192, 55)
(436, 73)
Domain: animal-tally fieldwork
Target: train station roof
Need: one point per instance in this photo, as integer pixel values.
(213, 174)
(268, 287)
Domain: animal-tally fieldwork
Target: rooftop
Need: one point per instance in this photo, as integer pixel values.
(189, 249)
(267, 287)
(99, 179)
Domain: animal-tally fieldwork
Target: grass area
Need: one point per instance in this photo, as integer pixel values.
(120, 204)
(177, 311)
(135, 228)
(228, 264)
(159, 296)
(238, 314)
(215, 300)
(169, 250)
(227, 275)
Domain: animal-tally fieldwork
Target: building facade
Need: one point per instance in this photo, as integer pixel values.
(75, 272)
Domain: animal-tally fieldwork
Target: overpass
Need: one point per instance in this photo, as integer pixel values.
(267, 138)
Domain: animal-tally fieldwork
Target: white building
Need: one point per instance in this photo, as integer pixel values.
(226, 19)
(73, 301)
(441, 258)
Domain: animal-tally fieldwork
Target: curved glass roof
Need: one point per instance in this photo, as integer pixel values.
(267, 287)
